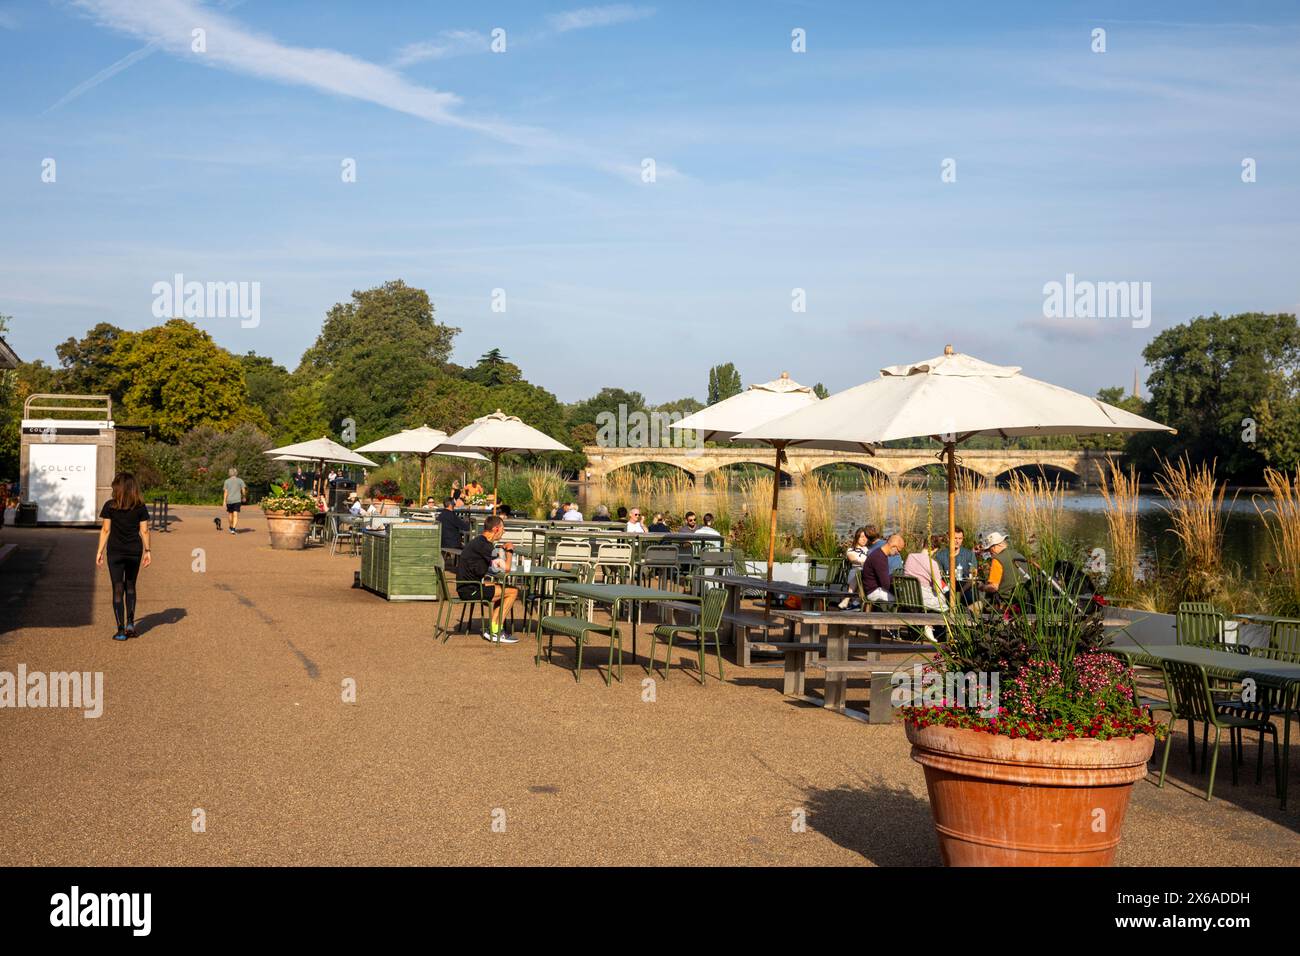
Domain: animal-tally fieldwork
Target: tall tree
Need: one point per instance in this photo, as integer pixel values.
(269, 386)
(392, 312)
(174, 378)
(724, 381)
(1231, 386)
(821, 391)
(87, 367)
(493, 369)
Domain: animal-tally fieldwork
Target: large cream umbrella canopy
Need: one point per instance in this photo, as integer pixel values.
(494, 435)
(950, 398)
(749, 409)
(320, 450)
(423, 441)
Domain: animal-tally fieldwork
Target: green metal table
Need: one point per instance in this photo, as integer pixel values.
(620, 594)
(1280, 675)
(535, 576)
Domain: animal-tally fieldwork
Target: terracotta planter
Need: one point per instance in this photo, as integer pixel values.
(999, 801)
(288, 532)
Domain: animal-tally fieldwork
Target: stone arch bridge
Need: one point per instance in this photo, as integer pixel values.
(1083, 465)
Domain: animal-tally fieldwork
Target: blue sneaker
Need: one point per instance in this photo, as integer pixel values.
(119, 636)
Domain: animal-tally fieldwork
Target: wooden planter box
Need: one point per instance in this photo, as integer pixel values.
(398, 563)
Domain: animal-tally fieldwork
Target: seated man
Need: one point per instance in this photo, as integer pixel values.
(688, 524)
(964, 578)
(454, 527)
(571, 512)
(876, 573)
(476, 564)
(634, 522)
(1004, 576)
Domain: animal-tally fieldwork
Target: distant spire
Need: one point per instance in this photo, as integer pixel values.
(1137, 390)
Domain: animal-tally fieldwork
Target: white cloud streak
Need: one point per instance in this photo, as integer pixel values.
(587, 17)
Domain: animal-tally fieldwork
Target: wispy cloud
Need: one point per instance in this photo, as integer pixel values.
(8, 20)
(447, 44)
(587, 17)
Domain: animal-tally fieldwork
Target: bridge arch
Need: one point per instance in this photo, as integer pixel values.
(866, 467)
(637, 466)
(1051, 471)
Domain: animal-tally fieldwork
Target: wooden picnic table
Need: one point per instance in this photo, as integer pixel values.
(839, 667)
(1281, 675)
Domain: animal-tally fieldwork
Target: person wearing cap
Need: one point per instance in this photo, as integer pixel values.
(1004, 577)
(354, 504)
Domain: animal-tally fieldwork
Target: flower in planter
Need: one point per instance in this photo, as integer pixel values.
(1052, 676)
(288, 501)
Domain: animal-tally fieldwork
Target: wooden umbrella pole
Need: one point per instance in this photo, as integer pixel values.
(776, 491)
(496, 468)
(424, 462)
(950, 449)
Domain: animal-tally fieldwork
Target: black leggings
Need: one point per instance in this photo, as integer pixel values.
(122, 569)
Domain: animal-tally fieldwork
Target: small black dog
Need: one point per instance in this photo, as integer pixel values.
(217, 522)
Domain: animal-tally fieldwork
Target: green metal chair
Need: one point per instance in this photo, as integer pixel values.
(907, 593)
(709, 623)
(578, 627)
(1283, 642)
(1190, 699)
(449, 597)
(1198, 624)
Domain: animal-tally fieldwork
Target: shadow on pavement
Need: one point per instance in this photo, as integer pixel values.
(889, 826)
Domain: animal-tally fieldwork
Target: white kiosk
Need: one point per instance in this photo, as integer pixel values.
(68, 463)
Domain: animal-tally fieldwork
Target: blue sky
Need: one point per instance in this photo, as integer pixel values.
(775, 170)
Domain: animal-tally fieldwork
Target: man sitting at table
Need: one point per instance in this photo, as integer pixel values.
(634, 523)
(876, 573)
(964, 579)
(571, 512)
(1004, 576)
(454, 527)
(476, 564)
(688, 524)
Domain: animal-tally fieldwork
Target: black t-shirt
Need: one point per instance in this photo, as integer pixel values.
(476, 559)
(453, 527)
(124, 527)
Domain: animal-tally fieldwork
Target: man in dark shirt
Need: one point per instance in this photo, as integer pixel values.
(875, 572)
(476, 565)
(453, 525)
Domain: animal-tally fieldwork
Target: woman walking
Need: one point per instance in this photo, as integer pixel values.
(124, 538)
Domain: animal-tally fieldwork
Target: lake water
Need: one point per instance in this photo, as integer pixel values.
(1246, 542)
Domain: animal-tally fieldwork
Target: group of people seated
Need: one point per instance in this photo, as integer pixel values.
(633, 521)
(873, 560)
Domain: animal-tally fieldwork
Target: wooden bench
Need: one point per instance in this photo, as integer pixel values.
(578, 628)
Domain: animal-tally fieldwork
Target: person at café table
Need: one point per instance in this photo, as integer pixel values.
(478, 563)
(1004, 576)
(964, 579)
(634, 522)
(876, 573)
(921, 564)
(571, 512)
(688, 524)
(659, 526)
(453, 525)
(707, 528)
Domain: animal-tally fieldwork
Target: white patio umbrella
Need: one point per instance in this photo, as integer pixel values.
(748, 409)
(494, 435)
(950, 398)
(423, 441)
(319, 450)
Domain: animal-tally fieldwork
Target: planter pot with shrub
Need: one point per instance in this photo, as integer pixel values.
(289, 516)
(1030, 737)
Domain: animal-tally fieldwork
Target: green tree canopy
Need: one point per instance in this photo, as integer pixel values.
(724, 381)
(87, 366)
(269, 388)
(393, 312)
(1222, 381)
(174, 377)
(493, 369)
(606, 400)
